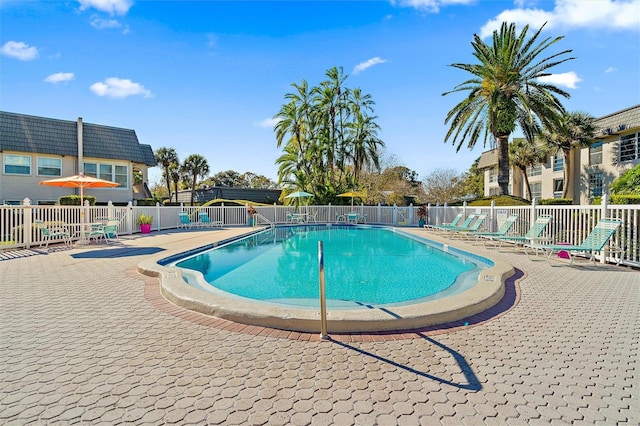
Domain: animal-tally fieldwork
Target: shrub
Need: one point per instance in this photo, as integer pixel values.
(144, 219)
(147, 202)
(556, 202)
(74, 200)
(500, 200)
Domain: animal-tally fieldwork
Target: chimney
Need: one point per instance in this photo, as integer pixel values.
(80, 147)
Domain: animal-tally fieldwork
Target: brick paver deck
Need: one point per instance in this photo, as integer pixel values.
(84, 339)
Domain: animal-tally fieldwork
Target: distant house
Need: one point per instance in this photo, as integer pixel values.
(203, 195)
(38, 148)
(615, 149)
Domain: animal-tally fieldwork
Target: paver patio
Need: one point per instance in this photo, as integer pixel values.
(85, 339)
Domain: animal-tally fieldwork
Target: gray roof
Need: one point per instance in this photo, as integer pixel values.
(618, 122)
(488, 159)
(27, 133)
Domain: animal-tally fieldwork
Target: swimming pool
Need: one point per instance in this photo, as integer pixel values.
(363, 266)
(468, 296)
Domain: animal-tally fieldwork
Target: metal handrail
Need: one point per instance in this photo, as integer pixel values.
(259, 216)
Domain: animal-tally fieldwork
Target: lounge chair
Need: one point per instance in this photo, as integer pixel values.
(53, 233)
(185, 220)
(205, 220)
(533, 234)
(450, 227)
(502, 231)
(463, 232)
(597, 239)
(454, 222)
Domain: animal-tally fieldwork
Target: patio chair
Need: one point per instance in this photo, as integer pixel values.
(448, 227)
(597, 239)
(532, 235)
(110, 230)
(53, 233)
(184, 220)
(205, 220)
(502, 231)
(454, 222)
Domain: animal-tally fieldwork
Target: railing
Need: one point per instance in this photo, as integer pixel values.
(570, 224)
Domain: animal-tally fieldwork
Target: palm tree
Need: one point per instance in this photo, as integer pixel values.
(195, 166)
(572, 130)
(174, 173)
(505, 92)
(525, 153)
(164, 158)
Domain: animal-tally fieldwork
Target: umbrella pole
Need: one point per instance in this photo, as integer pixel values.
(82, 239)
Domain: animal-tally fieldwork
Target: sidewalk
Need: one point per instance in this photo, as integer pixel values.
(83, 338)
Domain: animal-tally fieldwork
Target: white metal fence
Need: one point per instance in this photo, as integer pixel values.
(570, 224)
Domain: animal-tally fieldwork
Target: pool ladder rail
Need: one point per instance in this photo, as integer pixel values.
(259, 217)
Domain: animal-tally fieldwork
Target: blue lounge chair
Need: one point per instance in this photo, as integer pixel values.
(450, 227)
(205, 220)
(185, 220)
(597, 239)
(454, 222)
(475, 227)
(502, 231)
(52, 233)
(533, 234)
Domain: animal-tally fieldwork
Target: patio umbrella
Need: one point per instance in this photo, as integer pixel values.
(351, 194)
(299, 195)
(79, 181)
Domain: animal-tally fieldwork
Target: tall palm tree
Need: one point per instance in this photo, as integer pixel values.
(525, 153)
(164, 158)
(573, 130)
(505, 92)
(195, 166)
(175, 175)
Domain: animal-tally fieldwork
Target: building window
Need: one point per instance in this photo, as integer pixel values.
(106, 172)
(595, 184)
(595, 153)
(536, 190)
(493, 175)
(17, 164)
(111, 172)
(535, 170)
(91, 169)
(49, 166)
(122, 176)
(558, 161)
(629, 147)
(558, 187)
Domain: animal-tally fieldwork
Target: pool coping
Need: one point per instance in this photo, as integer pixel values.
(481, 297)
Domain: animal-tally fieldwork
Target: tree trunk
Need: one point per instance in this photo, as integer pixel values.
(567, 174)
(503, 164)
(527, 184)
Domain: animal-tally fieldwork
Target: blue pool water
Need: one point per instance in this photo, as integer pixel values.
(363, 266)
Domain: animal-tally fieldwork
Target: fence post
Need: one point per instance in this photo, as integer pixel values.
(604, 204)
(492, 212)
(129, 218)
(410, 215)
(395, 215)
(26, 222)
(158, 215)
(534, 209)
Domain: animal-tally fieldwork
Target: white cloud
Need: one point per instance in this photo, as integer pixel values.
(368, 64)
(268, 123)
(112, 7)
(19, 50)
(611, 69)
(571, 14)
(102, 24)
(567, 79)
(428, 5)
(59, 77)
(114, 87)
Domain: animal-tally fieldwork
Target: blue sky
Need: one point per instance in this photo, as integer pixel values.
(207, 77)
